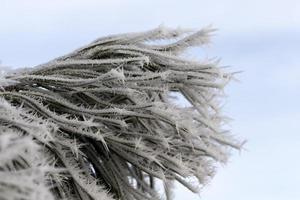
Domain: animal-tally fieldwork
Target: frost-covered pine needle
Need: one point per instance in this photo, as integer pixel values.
(98, 123)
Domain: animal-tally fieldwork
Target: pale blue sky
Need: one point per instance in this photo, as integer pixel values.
(260, 37)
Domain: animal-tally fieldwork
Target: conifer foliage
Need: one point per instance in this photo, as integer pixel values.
(98, 123)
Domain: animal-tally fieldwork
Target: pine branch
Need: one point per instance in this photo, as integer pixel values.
(103, 117)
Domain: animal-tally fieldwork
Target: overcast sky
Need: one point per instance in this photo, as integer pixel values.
(260, 37)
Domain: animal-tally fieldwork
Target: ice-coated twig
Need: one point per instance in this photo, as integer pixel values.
(101, 122)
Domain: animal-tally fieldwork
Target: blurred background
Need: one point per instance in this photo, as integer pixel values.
(259, 37)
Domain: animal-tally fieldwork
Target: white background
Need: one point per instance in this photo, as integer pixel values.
(260, 37)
